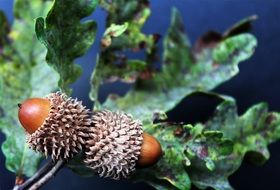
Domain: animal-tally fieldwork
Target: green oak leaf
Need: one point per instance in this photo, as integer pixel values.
(133, 12)
(251, 133)
(109, 73)
(112, 63)
(208, 147)
(180, 143)
(66, 37)
(170, 166)
(113, 31)
(211, 38)
(177, 54)
(24, 73)
(183, 73)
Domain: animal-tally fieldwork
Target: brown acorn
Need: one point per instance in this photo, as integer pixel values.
(57, 126)
(33, 112)
(150, 151)
(118, 145)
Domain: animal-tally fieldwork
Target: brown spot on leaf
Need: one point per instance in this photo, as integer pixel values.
(156, 37)
(270, 118)
(208, 40)
(105, 43)
(142, 45)
(215, 65)
(146, 74)
(203, 152)
(113, 96)
(178, 132)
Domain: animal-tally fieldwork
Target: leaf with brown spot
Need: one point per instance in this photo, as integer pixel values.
(250, 135)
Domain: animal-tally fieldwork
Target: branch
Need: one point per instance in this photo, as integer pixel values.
(39, 174)
(48, 176)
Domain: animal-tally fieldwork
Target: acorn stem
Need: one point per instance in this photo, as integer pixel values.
(36, 177)
(59, 164)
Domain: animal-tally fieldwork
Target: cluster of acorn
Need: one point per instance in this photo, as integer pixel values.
(113, 143)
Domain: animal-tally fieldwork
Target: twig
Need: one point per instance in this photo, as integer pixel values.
(41, 172)
(48, 176)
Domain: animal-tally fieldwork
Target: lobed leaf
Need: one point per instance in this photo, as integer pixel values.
(113, 63)
(183, 73)
(181, 143)
(133, 12)
(251, 133)
(66, 38)
(23, 74)
(199, 155)
(207, 154)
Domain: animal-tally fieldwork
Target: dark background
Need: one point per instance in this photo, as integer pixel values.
(257, 81)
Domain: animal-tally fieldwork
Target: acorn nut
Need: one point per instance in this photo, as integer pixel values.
(150, 151)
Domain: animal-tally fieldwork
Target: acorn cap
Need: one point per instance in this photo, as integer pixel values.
(65, 130)
(115, 145)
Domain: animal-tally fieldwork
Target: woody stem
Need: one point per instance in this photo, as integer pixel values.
(44, 171)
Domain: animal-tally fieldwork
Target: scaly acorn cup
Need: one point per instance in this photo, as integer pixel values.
(119, 145)
(113, 142)
(56, 126)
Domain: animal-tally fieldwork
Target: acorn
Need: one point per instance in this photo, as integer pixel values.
(56, 126)
(150, 151)
(119, 145)
(113, 143)
(33, 112)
